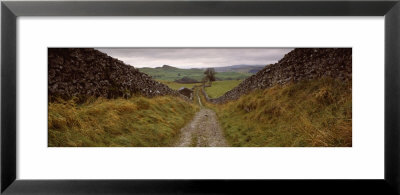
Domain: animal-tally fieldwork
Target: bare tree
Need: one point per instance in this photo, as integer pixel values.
(210, 75)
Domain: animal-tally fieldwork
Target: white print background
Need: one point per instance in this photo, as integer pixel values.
(365, 160)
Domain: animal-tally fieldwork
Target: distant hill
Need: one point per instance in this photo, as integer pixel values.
(170, 73)
(168, 67)
(242, 68)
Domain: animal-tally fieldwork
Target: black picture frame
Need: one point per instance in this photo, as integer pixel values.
(10, 10)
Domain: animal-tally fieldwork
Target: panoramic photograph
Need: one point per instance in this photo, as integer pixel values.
(199, 97)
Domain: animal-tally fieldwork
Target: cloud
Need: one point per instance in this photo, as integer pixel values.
(196, 57)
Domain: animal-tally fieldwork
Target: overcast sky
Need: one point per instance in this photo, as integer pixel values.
(196, 57)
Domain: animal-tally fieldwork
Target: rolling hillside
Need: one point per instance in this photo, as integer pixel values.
(169, 73)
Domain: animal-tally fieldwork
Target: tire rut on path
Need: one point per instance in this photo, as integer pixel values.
(203, 131)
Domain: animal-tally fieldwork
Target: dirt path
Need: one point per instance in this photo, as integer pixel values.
(204, 130)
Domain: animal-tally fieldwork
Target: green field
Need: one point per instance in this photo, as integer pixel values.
(138, 121)
(176, 86)
(219, 88)
(169, 73)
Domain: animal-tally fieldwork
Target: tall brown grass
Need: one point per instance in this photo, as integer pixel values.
(308, 113)
(138, 121)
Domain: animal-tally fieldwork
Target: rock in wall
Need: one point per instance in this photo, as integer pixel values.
(77, 72)
(299, 64)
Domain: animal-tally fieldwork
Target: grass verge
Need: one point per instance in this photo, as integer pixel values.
(309, 113)
(138, 121)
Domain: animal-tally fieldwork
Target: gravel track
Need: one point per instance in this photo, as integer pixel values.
(203, 131)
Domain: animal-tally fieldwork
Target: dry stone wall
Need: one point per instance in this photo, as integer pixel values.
(77, 72)
(299, 64)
